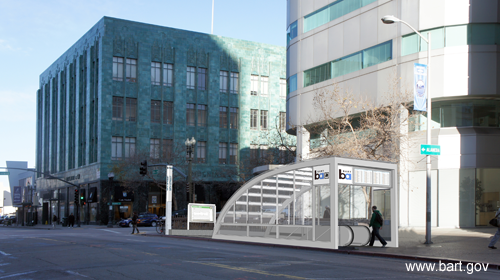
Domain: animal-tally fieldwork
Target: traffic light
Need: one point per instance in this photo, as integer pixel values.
(144, 167)
(82, 196)
(77, 196)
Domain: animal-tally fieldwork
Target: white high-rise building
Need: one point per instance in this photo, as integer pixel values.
(345, 41)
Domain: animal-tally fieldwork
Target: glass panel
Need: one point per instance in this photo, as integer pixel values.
(456, 35)
(229, 217)
(323, 229)
(262, 231)
(485, 114)
(296, 233)
(481, 34)
(292, 84)
(382, 199)
(303, 199)
(467, 206)
(332, 12)
(354, 205)
(487, 195)
(410, 44)
(377, 54)
(456, 114)
(291, 32)
(437, 39)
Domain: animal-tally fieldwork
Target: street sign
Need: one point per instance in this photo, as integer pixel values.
(434, 150)
(115, 203)
(4, 173)
(155, 171)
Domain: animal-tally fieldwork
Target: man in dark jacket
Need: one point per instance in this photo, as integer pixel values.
(134, 223)
(376, 227)
(71, 220)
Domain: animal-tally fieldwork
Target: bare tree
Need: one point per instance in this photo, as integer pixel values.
(351, 125)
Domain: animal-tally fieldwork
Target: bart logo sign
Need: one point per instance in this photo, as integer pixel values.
(345, 174)
(321, 174)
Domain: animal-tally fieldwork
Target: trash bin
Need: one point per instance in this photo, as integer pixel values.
(65, 221)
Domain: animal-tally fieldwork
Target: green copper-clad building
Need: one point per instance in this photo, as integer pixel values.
(129, 91)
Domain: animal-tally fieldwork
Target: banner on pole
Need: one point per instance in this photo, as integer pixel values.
(420, 87)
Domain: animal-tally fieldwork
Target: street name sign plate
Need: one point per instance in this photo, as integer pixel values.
(155, 171)
(4, 173)
(115, 203)
(433, 150)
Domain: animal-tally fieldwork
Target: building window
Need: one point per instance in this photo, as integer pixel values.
(201, 151)
(155, 73)
(131, 112)
(222, 153)
(155, 111)
(283, 156)
(253, 118)
(202, 115)
(233, 115)
(154, 148)
(234, 83)
(168, 74)
(191, 71)
(263, 120)
(254, 152)
(264, 81)
(116, 148)
(254, 85)
(129, 147)
(168, 112)
(223, 117)
(263, 153)
(202, 78)
(282, 88)
(190, 115)
(117, 68)
(291, 32)
(167, 149)
(282, 121)
(131, 70)
(233, 153)
(291, 86)
(117, 108)
(223, 81)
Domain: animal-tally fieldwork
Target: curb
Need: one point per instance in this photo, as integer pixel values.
(339, 251)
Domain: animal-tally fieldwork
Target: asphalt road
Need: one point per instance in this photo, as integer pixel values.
(102, 253)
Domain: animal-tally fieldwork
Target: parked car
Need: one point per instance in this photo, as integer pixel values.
(3, 218)
(180, 212)
(144, 219)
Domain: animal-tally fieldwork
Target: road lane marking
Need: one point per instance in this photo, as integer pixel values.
(17, 274)
(112, 231)
(249, 270)
(5, 254)
(1, 264)
(76, 273)
(54, 240)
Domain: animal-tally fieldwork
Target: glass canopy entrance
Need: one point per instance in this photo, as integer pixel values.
(322, 203)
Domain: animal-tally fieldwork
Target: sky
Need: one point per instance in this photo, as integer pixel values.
(34, 33)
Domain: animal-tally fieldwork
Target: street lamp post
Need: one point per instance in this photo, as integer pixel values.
(189, 150)
(390, 20)
(111, 175)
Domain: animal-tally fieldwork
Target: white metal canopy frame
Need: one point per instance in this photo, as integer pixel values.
(324, 203)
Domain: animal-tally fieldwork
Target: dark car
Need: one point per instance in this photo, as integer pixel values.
(180, 212)
(144, 219)
(147, 219)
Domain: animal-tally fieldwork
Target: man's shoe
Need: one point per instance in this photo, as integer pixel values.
(383, 245)
(492, 247)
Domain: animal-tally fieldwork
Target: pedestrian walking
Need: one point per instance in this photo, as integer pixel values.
(376, 225)
(54, 220)
(134, 223)
(495, 237)
(71, 220)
